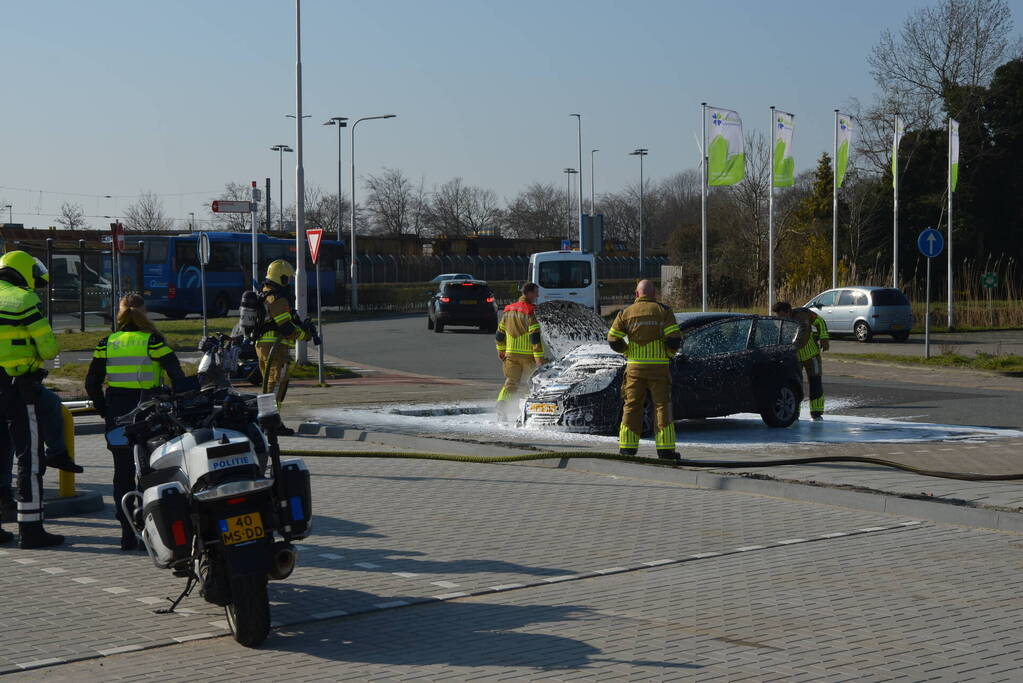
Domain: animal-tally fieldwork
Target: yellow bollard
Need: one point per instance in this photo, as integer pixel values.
(66, 480)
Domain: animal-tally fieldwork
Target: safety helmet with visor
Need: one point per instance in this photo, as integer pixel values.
(31, 269)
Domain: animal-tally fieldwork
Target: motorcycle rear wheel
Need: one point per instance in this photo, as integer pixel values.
(248, 614)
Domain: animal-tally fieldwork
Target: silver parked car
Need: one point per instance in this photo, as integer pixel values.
(864, 312)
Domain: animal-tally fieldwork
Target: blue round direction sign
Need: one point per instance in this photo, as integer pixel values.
(930, 243)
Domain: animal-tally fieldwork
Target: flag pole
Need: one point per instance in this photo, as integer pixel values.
(770, 223)
(834, 209)
(951, 321)
(895, 206)
(703, 210)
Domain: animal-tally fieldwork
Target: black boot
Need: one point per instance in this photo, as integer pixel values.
(32, 535)
(669, 455)
(284, 431)
(128, 540)
(627, 451)
(8, 509)
(5, 537)
(62, 461)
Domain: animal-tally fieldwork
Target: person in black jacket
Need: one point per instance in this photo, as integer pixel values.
(131, 361)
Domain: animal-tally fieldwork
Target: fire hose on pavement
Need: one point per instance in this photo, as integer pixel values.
(682, 462)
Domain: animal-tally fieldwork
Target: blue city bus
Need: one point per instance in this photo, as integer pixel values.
(171, 276)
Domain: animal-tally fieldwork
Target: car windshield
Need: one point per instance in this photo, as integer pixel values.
(728, 336)
(462, 291)
(889, 297)
(565, 274)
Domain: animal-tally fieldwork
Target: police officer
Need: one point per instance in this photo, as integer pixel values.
(131, 360)
(518, 346)
(279, 331)
(27, 342)
(811, 339)
(646, 332)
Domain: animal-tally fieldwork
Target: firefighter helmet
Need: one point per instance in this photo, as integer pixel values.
(31, 269)
(281, 272)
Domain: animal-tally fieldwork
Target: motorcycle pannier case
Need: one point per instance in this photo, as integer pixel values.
(168, 524)
(295, 502)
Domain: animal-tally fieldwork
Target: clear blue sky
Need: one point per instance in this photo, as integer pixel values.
(118, 96)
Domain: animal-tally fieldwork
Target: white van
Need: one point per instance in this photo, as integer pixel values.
(565, 276)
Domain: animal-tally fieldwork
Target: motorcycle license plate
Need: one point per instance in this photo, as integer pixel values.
(242, 528)
(543, 408)
(469, 302)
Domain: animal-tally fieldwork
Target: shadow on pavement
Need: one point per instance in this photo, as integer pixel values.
(461, 634)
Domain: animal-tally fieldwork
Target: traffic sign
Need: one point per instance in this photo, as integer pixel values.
(204, 248)
(314, 236)
(989, 280)
(231, 206)
(930, 243)
(566, 245)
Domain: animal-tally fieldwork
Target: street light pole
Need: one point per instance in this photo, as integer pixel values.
(568, 202)
(191, 220)
(351, 147)
(340, 122)
(593, 203)
(10, 213)
(301, 288)
(640, 152)
(579, 120)
(280, 195)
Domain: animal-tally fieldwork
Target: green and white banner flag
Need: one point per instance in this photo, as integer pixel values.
(844, 135)
(899, 132)
(726, 159)
(784, 167)
(953, 154)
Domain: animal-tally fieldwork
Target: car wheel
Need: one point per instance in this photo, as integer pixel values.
(438, 327)
(781, 407)
(429, 322)
(900, 336)
(863, 332)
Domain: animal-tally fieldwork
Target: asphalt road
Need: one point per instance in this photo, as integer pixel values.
(403, 343)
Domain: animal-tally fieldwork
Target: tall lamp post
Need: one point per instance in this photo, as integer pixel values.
(640, 152)
(340, 122)
(579, 121)
(568, 202)
(10, 213)
(593, 201)
(280, 195)
(351, 146)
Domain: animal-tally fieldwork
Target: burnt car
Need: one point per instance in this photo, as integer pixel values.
(728, 363)
(468, 303)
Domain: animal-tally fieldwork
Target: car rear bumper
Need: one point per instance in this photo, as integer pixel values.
(467, 317)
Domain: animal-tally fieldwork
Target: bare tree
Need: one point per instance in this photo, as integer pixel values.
(537, 212)
(146, 214)
(482, 212)
(390, 201)
(957, 43)
(72, 216)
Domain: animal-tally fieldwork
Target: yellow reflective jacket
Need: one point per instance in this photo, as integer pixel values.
(26, 339)
(812, 329)
(646, 332)
(281, 322)
(132, 359)
(518, 333)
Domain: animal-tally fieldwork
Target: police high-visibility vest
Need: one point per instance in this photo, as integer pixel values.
(26, 339)
(132, 359)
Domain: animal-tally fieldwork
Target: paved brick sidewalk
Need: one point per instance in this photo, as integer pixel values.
(393, 531)
(923, 603)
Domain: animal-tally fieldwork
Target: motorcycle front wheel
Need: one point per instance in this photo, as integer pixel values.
(248, 613)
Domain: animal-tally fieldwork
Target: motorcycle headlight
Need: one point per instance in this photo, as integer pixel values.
(266, 405)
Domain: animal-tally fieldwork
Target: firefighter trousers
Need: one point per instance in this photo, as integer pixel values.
(815, 378)
(639, 381)
(273, 364)
(24, 424)
(515, 366)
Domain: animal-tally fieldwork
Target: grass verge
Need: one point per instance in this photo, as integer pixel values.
(1007, 364)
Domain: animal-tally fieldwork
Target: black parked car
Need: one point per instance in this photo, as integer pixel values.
(729, 363)
(468, 303)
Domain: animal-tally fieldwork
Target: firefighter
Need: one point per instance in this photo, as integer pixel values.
(518, 346)
(811, 339)
(648, 335)
(278, 331)
(132, 360)
(28, 342)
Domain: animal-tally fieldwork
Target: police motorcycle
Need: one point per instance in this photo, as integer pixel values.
(215, 502)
